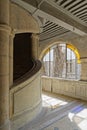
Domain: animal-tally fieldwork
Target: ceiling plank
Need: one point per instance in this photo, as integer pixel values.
(48, 10)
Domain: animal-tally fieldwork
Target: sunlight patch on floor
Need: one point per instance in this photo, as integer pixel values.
(76, 118)
(79, 117)
(52, 102)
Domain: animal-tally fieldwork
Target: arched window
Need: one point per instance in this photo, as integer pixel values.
(63, 61)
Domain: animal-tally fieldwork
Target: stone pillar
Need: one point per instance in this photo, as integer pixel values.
(35, 45)
(4, 65)
(11, 39)
(84, 69)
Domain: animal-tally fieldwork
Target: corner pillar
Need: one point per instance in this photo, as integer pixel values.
(35, 45)
(11, 39)
(4, 65)
(4, 77)
(84, 69)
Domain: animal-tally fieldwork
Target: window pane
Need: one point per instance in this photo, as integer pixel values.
(61, 62)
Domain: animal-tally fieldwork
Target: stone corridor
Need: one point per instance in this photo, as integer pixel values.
(60, 113)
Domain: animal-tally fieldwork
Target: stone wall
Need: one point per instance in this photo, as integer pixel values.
(21, 20)
(25, 101)
(72, 88)
(78, 41)
(25, 93)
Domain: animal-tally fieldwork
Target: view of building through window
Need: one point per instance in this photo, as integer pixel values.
(61, 61)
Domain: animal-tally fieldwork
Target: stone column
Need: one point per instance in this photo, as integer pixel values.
(4, 65)
(84, 69)
(12, 35)
(35, 45)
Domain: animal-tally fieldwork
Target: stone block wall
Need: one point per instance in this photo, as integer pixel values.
(25, 101)
(72, 88)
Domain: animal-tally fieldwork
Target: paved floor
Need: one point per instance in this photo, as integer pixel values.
(60, 113)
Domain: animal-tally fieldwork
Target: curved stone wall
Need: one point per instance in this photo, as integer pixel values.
(25, 98)
(21, 20)
(25, 93)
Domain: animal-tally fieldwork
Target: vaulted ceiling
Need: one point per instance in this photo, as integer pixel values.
(58, 17)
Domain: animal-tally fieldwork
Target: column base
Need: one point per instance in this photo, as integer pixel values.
(5, 126)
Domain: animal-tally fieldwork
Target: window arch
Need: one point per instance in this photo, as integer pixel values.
(63, 61)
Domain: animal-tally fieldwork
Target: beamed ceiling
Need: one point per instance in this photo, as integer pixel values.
(58, 17)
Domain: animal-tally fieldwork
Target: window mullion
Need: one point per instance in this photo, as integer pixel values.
(66, 60)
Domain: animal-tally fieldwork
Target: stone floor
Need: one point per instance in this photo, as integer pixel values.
(60, 113)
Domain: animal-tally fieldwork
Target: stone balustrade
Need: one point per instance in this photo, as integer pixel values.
(72, 88)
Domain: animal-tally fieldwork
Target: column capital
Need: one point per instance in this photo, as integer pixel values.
(34, 35)
(12, 33)
(4, 27)
(35, 42)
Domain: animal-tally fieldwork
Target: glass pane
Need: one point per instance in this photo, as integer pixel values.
(61, 62)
